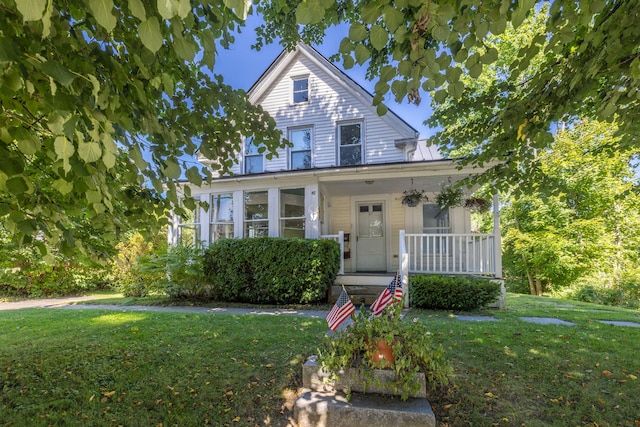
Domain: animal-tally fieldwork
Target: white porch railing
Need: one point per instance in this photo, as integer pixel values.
(471, 253)
(340, 239)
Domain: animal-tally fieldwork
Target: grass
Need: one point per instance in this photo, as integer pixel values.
(100, 368)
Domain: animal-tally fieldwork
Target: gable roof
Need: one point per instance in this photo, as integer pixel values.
(261, 87)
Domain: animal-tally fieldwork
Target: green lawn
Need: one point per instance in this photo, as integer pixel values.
(98, 368)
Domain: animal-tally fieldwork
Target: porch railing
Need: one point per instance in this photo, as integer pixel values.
(471, 253)
(340, 239)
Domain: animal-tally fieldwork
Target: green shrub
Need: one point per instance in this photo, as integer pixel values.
(133, 252)
(271, 270)
(178, 273)
(451, 292)
(24, 272)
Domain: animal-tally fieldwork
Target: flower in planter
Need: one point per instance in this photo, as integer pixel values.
(411, 344)
(413, 197)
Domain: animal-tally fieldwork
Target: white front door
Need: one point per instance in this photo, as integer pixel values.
(370, 238)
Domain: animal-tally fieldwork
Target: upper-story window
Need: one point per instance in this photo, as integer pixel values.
(350, 144)
(300, 90)
(300, 153)
(253, 155)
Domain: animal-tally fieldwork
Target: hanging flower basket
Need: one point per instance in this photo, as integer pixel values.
(413, 198)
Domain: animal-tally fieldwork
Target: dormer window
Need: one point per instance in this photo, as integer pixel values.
(253, 156)
(300, 90)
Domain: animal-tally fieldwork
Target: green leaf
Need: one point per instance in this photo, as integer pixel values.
(185, 49)
(58, 71)
(239, 7)
(310, 12)
(357, 32)
(370, 12)
(362, 54)
(93, 196)
(17, 185)
(172, 169)
(378, 37)
(381, 109)
(137, 9)
(456, 89)
(89, 151)
(63, 147)
(101, 10)
(490, 56)
(347, 61)
(31, 10)
(136, 156)
(64, 187)
(193, 175)
(440, 32)
(168, 8)
(150, 34)
(392, 17)
(28, 146)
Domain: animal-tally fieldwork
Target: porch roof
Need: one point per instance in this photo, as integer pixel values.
(427, 175)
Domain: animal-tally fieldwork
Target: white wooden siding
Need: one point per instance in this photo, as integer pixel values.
(329, 104)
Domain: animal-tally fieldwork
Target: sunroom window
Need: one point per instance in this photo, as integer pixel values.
(189, 227)
(292, 212)
(256, 214)
(221, 226)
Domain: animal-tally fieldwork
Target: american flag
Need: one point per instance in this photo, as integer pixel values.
(386, 297)
(398, 292)
(342, 309)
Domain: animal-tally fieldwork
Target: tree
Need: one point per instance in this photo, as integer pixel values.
(582, 60)
(79, 82)
(585, 226)
(79, 86)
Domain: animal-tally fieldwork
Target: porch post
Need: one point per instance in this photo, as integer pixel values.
(403, 267)
(341, 242)
(497, 236)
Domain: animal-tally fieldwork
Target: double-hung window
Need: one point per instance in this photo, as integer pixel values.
(350, 144)
(221, 226)
(256, 214)
(300, 153)
(292, 213)
(300, 90)
(253, 156)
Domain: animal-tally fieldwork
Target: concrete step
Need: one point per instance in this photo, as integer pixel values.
(362, 288)
(316, 409)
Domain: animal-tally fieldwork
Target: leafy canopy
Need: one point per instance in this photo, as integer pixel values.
(579, 58)
(82, 82)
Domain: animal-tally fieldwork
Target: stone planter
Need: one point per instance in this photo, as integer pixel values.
(351, 380)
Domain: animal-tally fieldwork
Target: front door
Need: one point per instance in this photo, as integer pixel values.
(370, 238)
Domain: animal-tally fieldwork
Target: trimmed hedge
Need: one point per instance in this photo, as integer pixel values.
(461, 293)
(271, 270)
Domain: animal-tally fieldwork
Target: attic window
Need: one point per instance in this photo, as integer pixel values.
(300, 90)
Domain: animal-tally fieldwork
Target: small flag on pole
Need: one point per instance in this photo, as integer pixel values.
(386, 297)
(342, 309)
(398, 292)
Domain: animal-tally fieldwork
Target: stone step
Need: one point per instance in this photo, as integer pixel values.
(316, 409)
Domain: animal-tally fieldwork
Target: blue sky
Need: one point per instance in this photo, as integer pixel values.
(241, 67)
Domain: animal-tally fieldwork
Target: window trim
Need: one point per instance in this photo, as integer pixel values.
(339, 137)
(290, 150)
(293, 91)
(246, 221)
